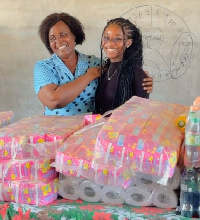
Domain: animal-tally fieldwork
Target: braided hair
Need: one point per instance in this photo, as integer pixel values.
(135, 51)
(132, 57)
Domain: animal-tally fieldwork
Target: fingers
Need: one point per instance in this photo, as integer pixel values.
(99, 69)
(146, 72)
(148, 86)
(148, 79)
(147, 83)
(149, 89)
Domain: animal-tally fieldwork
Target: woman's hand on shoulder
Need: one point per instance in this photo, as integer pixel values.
(94, 72)
(148, 83)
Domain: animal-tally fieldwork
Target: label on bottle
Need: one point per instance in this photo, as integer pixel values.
(195, 120)
(192, 139)
(183, 187)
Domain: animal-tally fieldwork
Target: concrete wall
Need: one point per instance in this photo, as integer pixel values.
(170, 30)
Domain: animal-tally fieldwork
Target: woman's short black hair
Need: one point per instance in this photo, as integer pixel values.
(74, 25)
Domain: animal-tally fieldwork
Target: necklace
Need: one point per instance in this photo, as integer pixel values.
(109, 77)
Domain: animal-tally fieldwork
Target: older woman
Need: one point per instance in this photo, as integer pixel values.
(67, 81)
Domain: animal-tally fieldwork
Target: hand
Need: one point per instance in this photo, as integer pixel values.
(148, 83)
(95, 72)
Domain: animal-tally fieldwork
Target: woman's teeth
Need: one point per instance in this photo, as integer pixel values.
(61, 48)
(111, 50)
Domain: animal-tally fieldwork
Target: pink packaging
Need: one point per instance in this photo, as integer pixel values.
(37, 136)
(142, 135)
(6, 118)
(27, 169)
(29, 192)
(74, 158)
(91, 118)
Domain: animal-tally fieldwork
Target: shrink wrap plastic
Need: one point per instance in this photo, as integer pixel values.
(141, 134)
(74, 188)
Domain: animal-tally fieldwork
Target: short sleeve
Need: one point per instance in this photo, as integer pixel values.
(92, 60)
(43, 75)
(95, 61)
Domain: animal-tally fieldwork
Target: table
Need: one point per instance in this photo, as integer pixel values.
(63, 209)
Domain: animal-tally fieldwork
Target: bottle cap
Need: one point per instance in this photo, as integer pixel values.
(181, 121)
(189, 189)
(197, 101)
(194, 108)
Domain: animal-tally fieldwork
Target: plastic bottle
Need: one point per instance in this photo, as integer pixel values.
(192, 138)
(188, 187)
(198, 187)
(187, 206)
(198, 179)
(195, 194)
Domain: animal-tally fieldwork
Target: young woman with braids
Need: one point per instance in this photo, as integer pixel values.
(66, 81)
(122, 75)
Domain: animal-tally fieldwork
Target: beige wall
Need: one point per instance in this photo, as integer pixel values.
(20, 46)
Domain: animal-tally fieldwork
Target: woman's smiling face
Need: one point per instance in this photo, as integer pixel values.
(114, 42)
(61, 39)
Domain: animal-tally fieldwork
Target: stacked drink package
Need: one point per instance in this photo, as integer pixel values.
(130, 157)
(28, 147)
(190, 180)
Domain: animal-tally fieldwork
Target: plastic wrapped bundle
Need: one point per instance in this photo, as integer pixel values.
(6, 118)
(145, 194)
(29, 192)
(142, 135)
(74, 158)
(37, 136)
(27, 169)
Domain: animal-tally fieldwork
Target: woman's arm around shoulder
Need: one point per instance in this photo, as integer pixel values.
(138, 78)
(148, 83)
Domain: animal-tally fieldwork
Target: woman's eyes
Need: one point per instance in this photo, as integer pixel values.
(105, 38)
(64, 34)
(118, 39)
(53, 38)
(115, 40)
